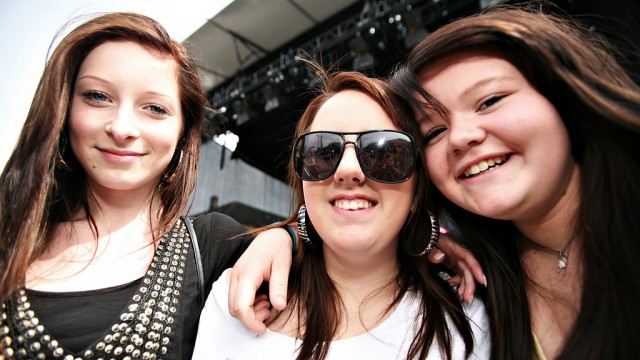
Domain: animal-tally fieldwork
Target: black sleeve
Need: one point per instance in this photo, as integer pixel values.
(221, 244)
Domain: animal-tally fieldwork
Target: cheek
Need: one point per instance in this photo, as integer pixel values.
(312, 199)
(79, 128)
(408, 192)
(166, 137)
(308, 190)
(436, 164)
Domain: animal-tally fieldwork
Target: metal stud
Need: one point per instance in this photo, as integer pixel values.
(58, 352)
(155, 299)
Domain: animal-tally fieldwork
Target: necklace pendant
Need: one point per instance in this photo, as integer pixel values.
(562, 261)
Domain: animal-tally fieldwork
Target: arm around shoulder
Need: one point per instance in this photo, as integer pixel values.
(269, 259)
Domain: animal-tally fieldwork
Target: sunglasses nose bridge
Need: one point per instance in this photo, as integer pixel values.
(348, 167)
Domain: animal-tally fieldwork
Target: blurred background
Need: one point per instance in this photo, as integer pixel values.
(248, 56)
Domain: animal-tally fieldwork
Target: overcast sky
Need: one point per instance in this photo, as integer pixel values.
(27, 28)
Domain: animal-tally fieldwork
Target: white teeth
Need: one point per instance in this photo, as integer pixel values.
(484, 165)
(353, 204)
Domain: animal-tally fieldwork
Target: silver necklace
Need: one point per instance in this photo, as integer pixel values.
(563, 255)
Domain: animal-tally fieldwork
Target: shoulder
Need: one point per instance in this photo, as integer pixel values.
(475, 310)
(216, 307)
(479, 323)
(216, 225)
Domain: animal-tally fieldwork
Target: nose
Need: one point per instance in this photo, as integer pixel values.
(349, 170)
(124, 125)
(464, 133)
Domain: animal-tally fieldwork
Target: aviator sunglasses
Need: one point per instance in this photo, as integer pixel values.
(386, 156)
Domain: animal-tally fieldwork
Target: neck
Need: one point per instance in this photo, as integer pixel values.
(116, 209)
(549, 243)
(365, 289)
(357, 278)
(554, 296)
(76, 260)
(554, 225)
(367, 297)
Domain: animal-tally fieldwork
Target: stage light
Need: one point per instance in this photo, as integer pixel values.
(241, 110)
(362, 57)
(486, 3)
(271, 99)
(228, 139)
(414, 31)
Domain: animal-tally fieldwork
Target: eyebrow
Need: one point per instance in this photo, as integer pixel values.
(482, 82)
(428, 115)
(91, 77)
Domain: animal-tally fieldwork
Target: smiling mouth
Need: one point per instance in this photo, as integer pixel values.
(484, 166)
(353, 204)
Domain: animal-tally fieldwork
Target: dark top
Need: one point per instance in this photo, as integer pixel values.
(78, 319)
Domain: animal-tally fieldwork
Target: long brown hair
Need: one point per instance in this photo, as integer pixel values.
(42, 183)
(600, 106)
(312, 292)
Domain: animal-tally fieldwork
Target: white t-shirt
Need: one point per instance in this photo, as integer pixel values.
(221, 336)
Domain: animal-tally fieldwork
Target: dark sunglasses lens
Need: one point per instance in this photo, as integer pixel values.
(316, 155)
(386, 156)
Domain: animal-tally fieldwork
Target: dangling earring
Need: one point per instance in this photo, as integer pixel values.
(435, 235)
(302, 227)
(172, 170)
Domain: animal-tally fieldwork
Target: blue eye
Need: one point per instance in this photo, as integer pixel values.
(95, 96)
(157, 110)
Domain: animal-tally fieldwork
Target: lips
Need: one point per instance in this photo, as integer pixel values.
(120, 155)
(484, 166)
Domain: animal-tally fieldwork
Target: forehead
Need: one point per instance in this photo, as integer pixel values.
(468, 66)
(129, 57)
(351, 110)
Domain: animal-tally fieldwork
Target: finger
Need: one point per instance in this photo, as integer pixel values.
(239, 297)
(470, 284)
(233, 287)
(472, 266)
(460, 290)
(262, 315)
(261, 304)
(461, 254)
(436, 256)
(260, 298)
(454, 280)
(242, 308)
(278, 281)
(262, 308)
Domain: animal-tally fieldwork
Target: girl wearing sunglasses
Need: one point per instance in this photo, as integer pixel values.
(363, 287)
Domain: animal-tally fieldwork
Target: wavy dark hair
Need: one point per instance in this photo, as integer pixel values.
(43, 184)
(600, 107)
(311, 290)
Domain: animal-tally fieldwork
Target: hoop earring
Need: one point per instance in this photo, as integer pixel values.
(435, 235)
(172, 170)
(302, 227)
